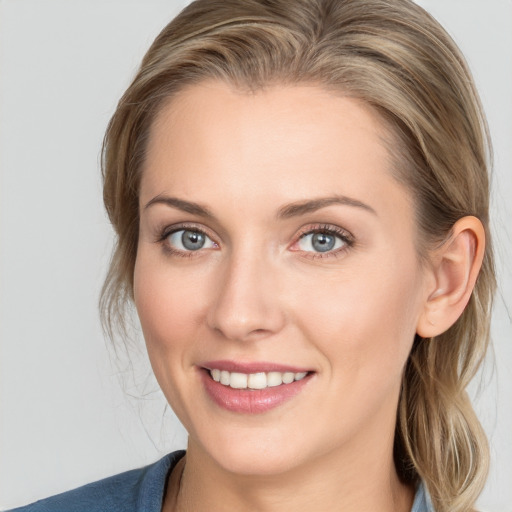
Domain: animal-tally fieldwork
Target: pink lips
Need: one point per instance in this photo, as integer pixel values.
(251, 401)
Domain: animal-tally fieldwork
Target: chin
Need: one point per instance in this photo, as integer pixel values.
(257, 463)
(254, 452)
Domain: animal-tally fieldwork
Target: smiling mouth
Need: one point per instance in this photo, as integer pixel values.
(255, 381)
(252, 387)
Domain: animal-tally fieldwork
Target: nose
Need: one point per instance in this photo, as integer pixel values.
(246, 304)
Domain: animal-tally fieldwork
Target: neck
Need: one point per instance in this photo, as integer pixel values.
(341, 482)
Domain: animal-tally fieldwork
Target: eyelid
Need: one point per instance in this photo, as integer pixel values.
(328, 228)
(331, 229)
(164, 233)
(345, 235)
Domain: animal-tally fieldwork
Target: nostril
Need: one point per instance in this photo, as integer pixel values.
(245, 305)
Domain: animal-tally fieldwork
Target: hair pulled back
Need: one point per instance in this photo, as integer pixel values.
(395, 57)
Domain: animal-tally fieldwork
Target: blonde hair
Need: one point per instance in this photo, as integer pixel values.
(395, 57)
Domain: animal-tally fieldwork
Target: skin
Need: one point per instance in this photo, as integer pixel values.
(260, 292)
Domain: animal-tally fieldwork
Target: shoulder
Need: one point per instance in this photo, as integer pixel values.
(132, 491)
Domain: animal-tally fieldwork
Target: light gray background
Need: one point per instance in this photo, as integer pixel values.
(64, 419)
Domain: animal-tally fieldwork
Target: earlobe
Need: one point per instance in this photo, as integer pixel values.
(455, 268)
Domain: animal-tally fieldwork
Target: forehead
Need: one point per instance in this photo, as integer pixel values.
(285, 143)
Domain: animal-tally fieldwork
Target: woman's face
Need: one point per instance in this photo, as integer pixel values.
(275, 245)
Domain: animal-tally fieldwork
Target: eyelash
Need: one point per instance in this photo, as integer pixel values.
(168, 231)
(345, 236)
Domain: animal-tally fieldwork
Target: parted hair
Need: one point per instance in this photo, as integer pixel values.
(395, 57)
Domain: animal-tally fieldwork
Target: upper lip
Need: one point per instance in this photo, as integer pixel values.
(251, 367)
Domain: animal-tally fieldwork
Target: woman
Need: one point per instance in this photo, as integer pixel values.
(300, 194)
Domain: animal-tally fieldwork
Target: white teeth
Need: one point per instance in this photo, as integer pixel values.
(258, 380)
(288, 377)
(225, 378)
(274, 379)
(238, 380)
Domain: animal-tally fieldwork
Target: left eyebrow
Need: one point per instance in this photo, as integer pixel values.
(303, 207)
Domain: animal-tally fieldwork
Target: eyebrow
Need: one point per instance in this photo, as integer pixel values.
(290, 210)
(180, 204)
(303, 207)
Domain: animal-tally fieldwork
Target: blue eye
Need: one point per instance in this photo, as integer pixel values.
(190, 240)
(321, 241)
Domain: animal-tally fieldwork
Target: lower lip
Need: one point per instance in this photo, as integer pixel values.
(251, 401)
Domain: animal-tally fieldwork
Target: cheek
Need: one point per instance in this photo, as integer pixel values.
(364, 320)
(167, 307)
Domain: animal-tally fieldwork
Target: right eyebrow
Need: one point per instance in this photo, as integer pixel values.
(180, 204)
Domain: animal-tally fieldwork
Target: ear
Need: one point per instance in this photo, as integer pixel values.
(455, 267)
